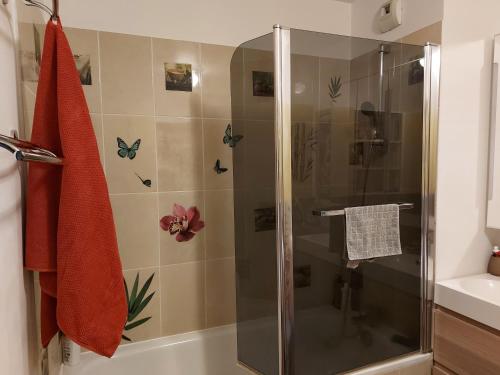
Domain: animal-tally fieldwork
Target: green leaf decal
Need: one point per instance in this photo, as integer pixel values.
(141, 307)
(334, 88)
(137, 303)
(134, 292)
(142, 293)
(128, 327)
(126, 292)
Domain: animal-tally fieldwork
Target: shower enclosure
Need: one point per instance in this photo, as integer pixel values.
(322, 122)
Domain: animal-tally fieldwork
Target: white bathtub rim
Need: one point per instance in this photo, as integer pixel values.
(128, 349)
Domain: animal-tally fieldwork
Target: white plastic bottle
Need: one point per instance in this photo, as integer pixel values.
(70, 351)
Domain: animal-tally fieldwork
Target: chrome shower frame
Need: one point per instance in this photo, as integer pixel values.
(283, 157)
(284, 239)
(429, 177)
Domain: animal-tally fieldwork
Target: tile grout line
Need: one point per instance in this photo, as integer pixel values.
(173, 117)
(158, 235)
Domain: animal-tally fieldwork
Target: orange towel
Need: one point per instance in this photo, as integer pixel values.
(70, 234)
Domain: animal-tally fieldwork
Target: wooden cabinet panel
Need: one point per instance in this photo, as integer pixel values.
(438, 370)
(464, 347)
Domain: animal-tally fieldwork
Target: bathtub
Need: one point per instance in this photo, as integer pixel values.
(207, 352)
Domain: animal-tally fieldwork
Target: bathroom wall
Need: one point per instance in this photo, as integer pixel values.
(17, 341)
(463, 242)
(181, 136)
(160, 110)
(225, 22)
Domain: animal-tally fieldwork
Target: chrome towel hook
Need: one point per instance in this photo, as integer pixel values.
(54, 12)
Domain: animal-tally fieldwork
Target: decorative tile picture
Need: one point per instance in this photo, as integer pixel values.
(137, 301)
(83, 66)
(265, 219)
(31, 61)
(184, 224)
(178, 77)
(416, 72)
(263, 83)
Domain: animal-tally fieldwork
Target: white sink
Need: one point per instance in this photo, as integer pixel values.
(477, 297)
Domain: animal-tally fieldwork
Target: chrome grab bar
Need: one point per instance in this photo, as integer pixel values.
(26, 151)
(402, 206)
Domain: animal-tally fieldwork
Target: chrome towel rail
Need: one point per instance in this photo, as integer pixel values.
(402, 206)
(26, 151)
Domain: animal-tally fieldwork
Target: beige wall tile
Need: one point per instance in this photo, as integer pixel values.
(126, 74)
(136, 221)
(221, 292)
(152, 328)
(180, 154)
(28, 92)
(97, 124)
(237, 81)
(176, 103)
(172, 251)
(29, 71)
(259, 156)
(219, 223)
(84, 43)
(122, 172)
(214, 148)
(216, 68)
(305, 86)
(183, 299)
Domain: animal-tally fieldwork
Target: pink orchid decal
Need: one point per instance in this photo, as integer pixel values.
(184, 223)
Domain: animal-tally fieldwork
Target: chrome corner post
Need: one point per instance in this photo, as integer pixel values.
(429, 174)
(284, 241)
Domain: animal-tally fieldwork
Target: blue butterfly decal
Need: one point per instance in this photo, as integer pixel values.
(125, 151)
(218, 168)
(229, 138)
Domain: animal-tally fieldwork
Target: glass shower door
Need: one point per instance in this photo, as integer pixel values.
(252, 99)
(326, 122)
(357, 125)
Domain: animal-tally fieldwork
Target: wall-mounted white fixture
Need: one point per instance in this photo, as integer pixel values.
(390, 15)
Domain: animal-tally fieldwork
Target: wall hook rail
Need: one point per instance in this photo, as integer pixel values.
(54, 12)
